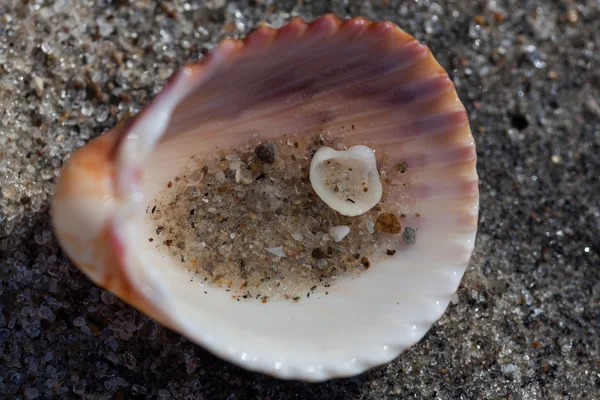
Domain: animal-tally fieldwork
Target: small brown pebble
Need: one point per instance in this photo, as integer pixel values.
(572, 16)
(390, 252)
(499, 17)
(552, 75)
(444, 371)
(266, 153)
(168, 242)
(168, 10)
(388, 223)
(365, 262)
(317, 254)
(124, 97)
(94, 90)
(480, 19)
(537, 344)
(151, 240)
(169, 184)
(229, 27)
(77, 84)
(117, 56)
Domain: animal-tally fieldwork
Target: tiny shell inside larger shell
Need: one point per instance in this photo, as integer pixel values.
(371, 83)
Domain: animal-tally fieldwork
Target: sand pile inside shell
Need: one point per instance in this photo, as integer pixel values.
(249, 221)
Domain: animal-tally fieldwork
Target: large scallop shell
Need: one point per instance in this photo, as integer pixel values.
(298, 79)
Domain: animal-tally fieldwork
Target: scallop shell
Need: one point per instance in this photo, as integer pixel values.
(367, 81)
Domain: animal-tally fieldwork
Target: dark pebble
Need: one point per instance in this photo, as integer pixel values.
(317, 254)
(365, 262)
(266, 153)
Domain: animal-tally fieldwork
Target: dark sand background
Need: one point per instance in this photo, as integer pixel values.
(525, 323)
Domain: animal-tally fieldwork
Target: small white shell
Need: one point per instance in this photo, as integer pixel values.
(338, 233)
(361, 165)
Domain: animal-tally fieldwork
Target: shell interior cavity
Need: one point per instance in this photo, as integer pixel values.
(347, 180)
(320, 99)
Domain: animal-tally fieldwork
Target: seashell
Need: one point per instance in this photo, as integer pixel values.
(368, 83)
(354, 166)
